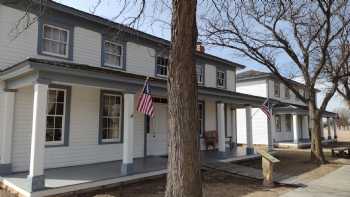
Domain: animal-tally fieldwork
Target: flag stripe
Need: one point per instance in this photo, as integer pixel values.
(145, 104)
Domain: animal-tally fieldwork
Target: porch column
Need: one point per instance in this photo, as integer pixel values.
(248, 112)
(234, 126)
(305, 125)
(295, 129)
(270, 123)
(128, 141)
(7, 131)
(221, 126)
(37, 151)
(335, 128)
(329, 128)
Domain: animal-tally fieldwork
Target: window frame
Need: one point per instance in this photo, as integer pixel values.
(287, 93)
(224, 79)
(275, 84)
(201, 73)
(102, 141)
(278, 119)
(121, 66)
(65, 119)
(202, 121)
(166, 66)
(44, 39)
(289, 120)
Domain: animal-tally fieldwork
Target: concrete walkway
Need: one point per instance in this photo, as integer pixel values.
(335, 184)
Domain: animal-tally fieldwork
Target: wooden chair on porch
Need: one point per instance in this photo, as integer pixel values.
(211, 139)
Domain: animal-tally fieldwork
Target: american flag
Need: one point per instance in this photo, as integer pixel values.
(266, 107)
(145, 104)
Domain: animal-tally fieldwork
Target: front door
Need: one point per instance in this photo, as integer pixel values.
(157, 137)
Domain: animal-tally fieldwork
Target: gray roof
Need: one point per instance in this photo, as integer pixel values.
(103, 21)
(251, 75)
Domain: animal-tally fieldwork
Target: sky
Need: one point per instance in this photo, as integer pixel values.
(155, 21)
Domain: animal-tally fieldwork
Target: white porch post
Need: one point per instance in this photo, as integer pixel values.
(234, 126)
(221, 126)
(7, 131)
(37, 151)
(270, 130)
(295, 129)
(250, 147)
(329, 128)
(335, 128)
(128, 141)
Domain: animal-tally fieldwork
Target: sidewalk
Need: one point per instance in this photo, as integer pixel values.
(335, 184)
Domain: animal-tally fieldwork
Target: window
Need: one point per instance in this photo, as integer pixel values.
(289, 122)
(286, 92)
(276, 89)
(111, 109)
(56, 105)
(278, 123)
(220, 79)
(112, 54)
(201, 118)
(200, 74)
(162, 66)
(55, 41)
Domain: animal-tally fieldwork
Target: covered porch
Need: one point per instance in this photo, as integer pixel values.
(291, 128)
(33, 163)
(94, 176)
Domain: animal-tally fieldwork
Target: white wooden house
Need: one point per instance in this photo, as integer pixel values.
(69, 85)
(289, 123)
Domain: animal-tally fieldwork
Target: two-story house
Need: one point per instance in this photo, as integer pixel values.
(69, 86)
(289, 124)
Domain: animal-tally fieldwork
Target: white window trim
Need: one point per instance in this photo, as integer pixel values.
(167, 67)
(61, 142)
(201, 73)
(224, 79)
(287, 96)
(279, 89)
(121, 54)
(67, 44)
(111, 140)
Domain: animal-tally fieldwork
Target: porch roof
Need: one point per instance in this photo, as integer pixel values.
(287, 108)
(34, 70)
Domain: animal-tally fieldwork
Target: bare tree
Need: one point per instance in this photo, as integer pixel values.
(344, 84)
(302, 32)
(184, 175)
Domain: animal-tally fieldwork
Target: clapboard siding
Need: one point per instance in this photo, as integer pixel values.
(210, 75)
(83, 136)
(140, 59)
(292, 99)
(256, 88)
(231, 80)
(259, 127)
(1, 116)
(25, 45)
(87, 47)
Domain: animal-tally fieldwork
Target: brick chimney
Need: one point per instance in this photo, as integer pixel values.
(200, 48)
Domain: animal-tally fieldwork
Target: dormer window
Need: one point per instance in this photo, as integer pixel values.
(55, 41)
(162, 66)
(276, 89)
(112, 53)
(220, 79)
(200, 74)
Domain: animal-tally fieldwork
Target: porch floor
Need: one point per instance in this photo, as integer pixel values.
(68, 179)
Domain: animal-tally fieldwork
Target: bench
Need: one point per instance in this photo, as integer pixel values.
(267, 167)
(341, 151)
(210, 139)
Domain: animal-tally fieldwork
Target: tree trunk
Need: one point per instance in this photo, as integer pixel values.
(316, 128)
(184, 175)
